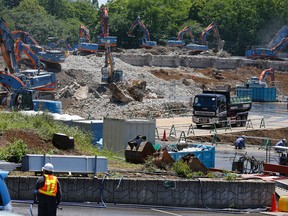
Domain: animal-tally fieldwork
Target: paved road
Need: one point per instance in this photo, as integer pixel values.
(127, 210)
(266, 115)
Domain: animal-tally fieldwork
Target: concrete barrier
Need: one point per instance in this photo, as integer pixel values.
(199, 61)
(214, 193)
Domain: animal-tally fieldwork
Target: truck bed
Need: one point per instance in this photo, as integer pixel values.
(242, 104)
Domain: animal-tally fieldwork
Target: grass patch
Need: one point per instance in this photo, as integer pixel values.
(45, 127)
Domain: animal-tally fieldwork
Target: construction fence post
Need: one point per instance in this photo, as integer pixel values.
(214, 139)
(249, 124)
(262, 123)
(182, 137)
(213, 128)
(228, 125)
(172, 131)
(191, 128)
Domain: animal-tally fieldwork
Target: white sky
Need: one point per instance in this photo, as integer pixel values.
(102, 2)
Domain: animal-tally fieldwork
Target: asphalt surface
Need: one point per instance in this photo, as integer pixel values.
(127, 210)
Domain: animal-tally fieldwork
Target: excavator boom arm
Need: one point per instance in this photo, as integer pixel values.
(265, 73)
(25, 37)
(104, 20)
(7, 47)
(185, 30)
(21, 47)
(142, 26)
(84, 33)
(282, 33)
(280, 46)
(213, 26)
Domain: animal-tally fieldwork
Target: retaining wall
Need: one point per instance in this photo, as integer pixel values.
(185, 193)
(199, 61)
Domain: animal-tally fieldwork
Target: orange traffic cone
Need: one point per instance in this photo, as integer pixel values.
(164, 136)
(274, 203)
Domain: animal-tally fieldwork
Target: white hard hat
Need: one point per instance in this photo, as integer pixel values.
(48, 167)
(284, 140)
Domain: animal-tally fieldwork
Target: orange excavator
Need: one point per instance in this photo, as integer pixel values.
(105, 37)
(180, 42)
(145, 40)
(50, 57)
(265, 73)
(85, 45)
(202, 46)
(21, 89)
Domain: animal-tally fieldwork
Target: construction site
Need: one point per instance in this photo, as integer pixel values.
(151, 101)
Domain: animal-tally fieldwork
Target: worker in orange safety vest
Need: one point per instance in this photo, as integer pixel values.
(47, 192)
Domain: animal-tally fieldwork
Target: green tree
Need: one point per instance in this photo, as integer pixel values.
(31, 7)
(11, 3)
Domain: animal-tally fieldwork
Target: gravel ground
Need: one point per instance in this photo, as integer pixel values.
(83, 74)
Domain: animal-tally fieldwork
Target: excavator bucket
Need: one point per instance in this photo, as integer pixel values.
(138, 150)
(162, 158)
(194, 163)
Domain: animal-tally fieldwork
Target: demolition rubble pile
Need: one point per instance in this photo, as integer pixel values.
(82, 92)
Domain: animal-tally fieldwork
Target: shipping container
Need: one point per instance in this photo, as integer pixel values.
(206, 154)
(258, 94)
(117, 132)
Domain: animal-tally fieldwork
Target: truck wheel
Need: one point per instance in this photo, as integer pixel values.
(244, 119)
(198, 126)
(238, 121)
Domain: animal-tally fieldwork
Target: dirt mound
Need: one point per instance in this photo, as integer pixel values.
(33, 141)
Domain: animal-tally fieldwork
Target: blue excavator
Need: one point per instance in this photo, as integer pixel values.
(24, 89)
(277, 44)
(145, 40)
(203, 46)
(180, 42)
(51, 58)
(85, 45)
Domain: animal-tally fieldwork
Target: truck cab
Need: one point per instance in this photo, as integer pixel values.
(209, 109)
(217, 107)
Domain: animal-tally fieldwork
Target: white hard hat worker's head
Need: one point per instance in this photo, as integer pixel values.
(48, 167)
(284, 140)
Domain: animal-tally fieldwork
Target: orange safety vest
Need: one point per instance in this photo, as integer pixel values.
(50, 186)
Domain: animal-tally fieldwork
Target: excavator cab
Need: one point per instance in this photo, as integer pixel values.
(109, 74)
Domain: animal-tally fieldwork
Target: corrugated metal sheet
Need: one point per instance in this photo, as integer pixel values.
(117, 132)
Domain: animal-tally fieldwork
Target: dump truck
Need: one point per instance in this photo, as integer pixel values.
(217, 107)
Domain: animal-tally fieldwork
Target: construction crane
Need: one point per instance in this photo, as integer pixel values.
(145, 40)
(104, 22)
(180, 42)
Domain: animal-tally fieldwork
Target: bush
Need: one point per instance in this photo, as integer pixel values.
(14, 151)
(182, 169)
